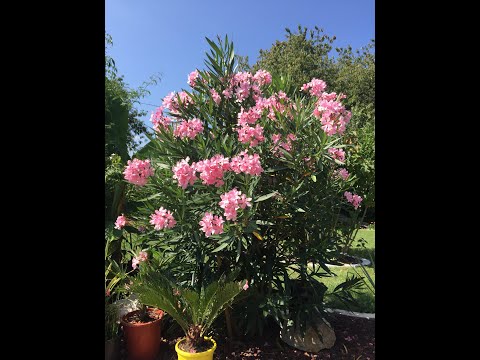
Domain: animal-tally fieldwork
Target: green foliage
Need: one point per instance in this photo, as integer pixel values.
(194, 311)
(111, 324)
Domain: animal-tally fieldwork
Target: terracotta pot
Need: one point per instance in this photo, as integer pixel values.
(142, 340)
(204, 355)
(112, 349)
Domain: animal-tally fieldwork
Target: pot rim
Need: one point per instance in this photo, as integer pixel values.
(198, 354)
(124, 322)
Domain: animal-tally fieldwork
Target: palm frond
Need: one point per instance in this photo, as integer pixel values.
(155, 289)
(224, 296)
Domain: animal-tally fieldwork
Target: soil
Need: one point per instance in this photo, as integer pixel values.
(355, 340)
(151, 315)
(201, 347)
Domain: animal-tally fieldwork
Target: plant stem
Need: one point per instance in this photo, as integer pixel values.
(228, 320)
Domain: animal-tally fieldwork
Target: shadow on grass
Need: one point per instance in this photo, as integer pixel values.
(362, 252)
(365, 302)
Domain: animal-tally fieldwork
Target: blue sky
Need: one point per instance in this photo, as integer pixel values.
(168, 37)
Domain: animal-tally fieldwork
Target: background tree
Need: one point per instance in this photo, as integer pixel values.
(308, 54)
(124, 130)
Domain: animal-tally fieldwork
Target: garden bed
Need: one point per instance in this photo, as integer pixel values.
(355, 338)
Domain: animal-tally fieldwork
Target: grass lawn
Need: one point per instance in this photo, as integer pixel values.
(365, 298)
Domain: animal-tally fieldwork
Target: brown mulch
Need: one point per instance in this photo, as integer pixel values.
(355, 341)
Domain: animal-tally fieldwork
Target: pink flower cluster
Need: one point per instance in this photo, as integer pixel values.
(277, 102)
(343, 173)
(211, 170)
(262, 77)
(248, 164)
(162, 218)
(184, 173)
(120, 222)
(159, 120)
(250, 135)
(254, 135)
(142, 256)
(243, 84)
(192, 78)
(332, 114)
(337, 154)
(287, 145)
(211, 224)
(170, 101)
(354, 199)
(232, 201)
(315, 86)
(138, 171)
(250, 116)
(188, 128)
(215, 96)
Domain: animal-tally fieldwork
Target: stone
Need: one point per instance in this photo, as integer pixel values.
(124, 306)
(311, 342)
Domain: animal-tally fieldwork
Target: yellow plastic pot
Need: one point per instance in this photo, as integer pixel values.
(204, 355)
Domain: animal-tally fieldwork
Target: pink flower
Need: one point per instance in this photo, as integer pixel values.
(169, 102)
(243, 201)
(355, 199)
(232, 201)
(348, 195)
(212, 170)
(185, 99)
(316, 87)
(184, 173)
(215, 96)
(188, 128)
(276, 138)
(159, 120)
(286, 145)
(162, 219)
(245, 287)
(142, 256)
(332, 114)
(343, 173)
(211, 224)
(107, 292)
(138, 171)
(280, 103)
(337, 154)
(250, 135)
(248, 164)
(121, 222)
(227, 93)
(192, 77)
(262, 77)
(249, 117)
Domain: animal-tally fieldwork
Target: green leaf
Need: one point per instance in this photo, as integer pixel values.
(265, 197)
(239, 250)
(221, 247)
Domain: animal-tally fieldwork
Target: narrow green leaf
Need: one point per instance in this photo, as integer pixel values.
(265, 197)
